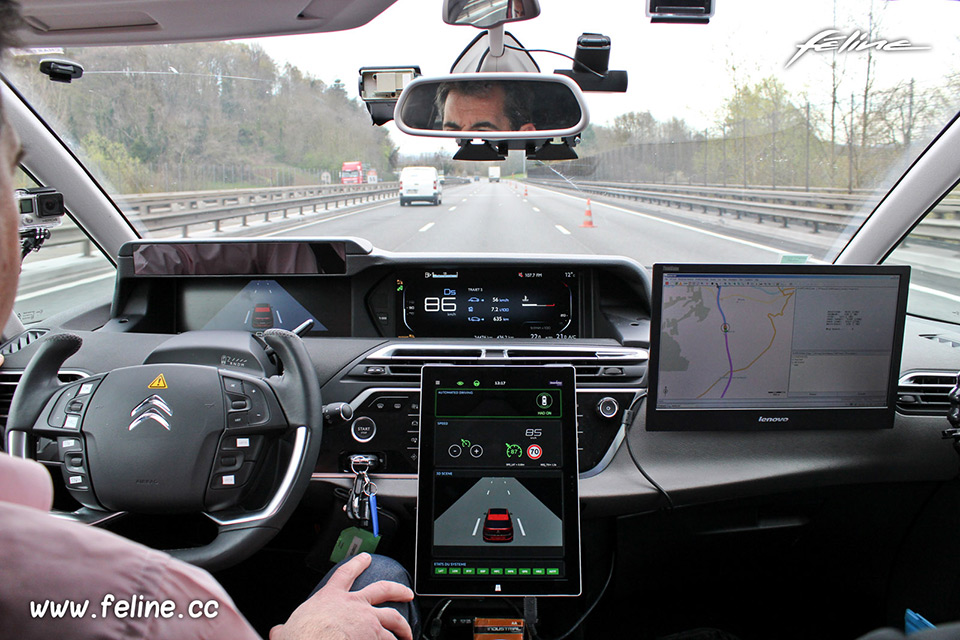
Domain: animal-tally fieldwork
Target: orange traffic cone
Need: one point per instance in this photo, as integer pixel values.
(588, 217)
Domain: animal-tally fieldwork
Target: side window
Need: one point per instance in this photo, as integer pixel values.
(67, 271)
(933, 252)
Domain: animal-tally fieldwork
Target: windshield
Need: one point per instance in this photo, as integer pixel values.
(765, 136)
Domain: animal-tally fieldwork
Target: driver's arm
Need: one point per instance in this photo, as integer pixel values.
(108, 580)
(47, 563)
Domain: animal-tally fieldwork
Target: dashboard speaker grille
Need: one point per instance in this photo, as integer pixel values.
(925, 392)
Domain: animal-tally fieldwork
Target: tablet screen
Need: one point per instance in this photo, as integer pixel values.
(498, 502)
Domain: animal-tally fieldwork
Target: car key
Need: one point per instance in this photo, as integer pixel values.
(371, 491)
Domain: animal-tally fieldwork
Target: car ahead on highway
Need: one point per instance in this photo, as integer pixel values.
(262, 317)
(191, 155)
(497, 525)
(420, 184)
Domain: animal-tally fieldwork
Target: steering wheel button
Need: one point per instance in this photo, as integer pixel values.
(77, 482)
(232, 385)
(72, 422)
(238, 419)
(238, 405)
(228, 480)
(85, 389)
(69, 445)
(74, 462)
(246, 447)
(75, 406)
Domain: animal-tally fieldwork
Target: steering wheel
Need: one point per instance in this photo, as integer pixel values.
(178, 438)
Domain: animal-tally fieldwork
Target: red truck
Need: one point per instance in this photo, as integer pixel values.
(351, 172)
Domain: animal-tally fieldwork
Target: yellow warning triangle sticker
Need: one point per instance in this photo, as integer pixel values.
(158, 383)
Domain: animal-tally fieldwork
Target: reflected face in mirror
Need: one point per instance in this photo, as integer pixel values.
(490, 105)
(485, 106)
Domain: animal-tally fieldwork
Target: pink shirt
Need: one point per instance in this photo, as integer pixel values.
(46, 561)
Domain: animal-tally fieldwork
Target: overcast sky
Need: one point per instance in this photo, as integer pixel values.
(674, 70)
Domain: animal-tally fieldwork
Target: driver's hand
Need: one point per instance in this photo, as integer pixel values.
(336, 613)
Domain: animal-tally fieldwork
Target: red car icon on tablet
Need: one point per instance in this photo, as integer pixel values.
(498, 526)
(262, 316)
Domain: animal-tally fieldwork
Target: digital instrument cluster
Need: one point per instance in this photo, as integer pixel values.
(489, 303)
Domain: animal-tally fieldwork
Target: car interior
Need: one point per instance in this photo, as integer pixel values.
(675, 355)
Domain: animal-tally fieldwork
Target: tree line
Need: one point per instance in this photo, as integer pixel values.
(763, 135)
(181, 117)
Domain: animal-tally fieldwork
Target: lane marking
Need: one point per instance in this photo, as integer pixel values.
(520, 524)
(452, 208)
(475, 527)
(508, 491)
(712, 234)
(330, 219)
(65, 286)
(426, 226)
(537, 210)
(562, 229)
(488, 491)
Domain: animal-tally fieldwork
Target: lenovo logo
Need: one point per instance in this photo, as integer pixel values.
(766, 419)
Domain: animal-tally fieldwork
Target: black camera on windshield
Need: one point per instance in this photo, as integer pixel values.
(40, 208)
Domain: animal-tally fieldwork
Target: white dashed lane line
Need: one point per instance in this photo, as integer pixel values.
(561, 229)
(426, 226)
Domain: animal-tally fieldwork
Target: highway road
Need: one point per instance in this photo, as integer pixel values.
(498, 217)
(504, 217)
(534, 525)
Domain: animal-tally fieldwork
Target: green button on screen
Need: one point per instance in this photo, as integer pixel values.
(440, 570)
(524, 572)
(483, 572)
(455, 571)
(510, 572)
(553, 572)
(496, 572)
(538, 572)
(469, 572)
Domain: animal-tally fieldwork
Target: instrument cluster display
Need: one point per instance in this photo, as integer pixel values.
(489, 303)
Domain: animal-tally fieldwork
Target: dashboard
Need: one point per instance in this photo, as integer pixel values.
(254, 286)
(379, 317)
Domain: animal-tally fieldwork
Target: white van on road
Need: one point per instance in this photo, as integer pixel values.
(420, 183)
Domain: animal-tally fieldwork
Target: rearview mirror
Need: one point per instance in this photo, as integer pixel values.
(485, 14)
(492, 106)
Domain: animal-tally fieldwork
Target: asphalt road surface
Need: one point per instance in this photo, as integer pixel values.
(484, 217)
(534, 525)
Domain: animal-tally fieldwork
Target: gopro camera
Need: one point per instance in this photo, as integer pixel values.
(40, 208)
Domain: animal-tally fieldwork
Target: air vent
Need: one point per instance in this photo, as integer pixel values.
(950, 342)
(8, 384)
(925, 392)
(403, 364)
(22, 340)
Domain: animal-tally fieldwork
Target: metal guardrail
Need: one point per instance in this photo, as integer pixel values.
(161, 212)
(815, 210)
(141, 204)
